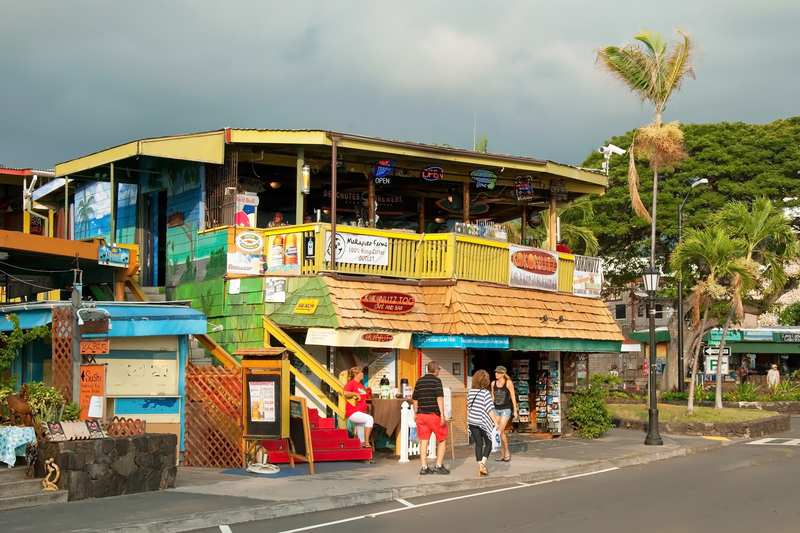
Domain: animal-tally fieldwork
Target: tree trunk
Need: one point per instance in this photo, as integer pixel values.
(695, 365)
(718, 399)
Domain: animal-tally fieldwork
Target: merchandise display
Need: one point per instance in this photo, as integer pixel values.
(520, 375)
(548, 398)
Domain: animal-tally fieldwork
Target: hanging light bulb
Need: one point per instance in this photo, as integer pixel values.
(306, 179)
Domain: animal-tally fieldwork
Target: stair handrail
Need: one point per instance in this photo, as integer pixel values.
(218, 351)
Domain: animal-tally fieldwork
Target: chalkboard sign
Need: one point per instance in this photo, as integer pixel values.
(300, 432)
(263, 405)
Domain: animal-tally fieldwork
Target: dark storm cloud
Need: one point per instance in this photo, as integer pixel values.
(77, 77)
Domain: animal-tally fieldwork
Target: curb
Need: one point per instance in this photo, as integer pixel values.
(281, 510)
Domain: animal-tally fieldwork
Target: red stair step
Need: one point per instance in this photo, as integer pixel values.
(340, 434)
(326, 423)
(281, 445)
(334, 444)
(327, 455)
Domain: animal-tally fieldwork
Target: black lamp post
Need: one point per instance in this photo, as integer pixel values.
(681, 374)
(651, 277)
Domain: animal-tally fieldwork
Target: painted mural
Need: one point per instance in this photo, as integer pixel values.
(92, 208)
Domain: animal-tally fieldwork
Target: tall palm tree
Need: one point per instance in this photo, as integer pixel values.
(719, 256)
(573, 229)
(652, 73)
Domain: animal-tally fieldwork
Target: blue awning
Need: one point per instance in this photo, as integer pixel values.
(28, 318)
(459, 341)
(149, 321)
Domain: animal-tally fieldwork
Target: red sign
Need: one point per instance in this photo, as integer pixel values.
(380, 350)
(377, 337)
(93, 383)
(535, 262)
(388, 302)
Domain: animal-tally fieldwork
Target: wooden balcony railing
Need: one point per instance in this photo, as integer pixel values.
(415, 256)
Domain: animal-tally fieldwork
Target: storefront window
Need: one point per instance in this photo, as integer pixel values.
(576, 372)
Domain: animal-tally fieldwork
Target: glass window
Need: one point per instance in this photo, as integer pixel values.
(620, 312)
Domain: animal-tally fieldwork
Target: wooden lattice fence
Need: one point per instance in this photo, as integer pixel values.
(62, 351)
(213, 410)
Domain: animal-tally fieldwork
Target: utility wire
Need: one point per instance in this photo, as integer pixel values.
(34, 270)
(29, 283)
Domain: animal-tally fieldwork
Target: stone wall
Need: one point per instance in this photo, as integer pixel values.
(749, 429)
(792, 408)
(112, 466)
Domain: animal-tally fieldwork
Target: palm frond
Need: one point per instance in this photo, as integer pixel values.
(633, 188)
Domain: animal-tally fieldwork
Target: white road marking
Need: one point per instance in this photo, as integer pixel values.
(407, 505)
(762, 441)
(792, 442)
(225, 529)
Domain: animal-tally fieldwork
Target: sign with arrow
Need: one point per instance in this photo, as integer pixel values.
(714, 350)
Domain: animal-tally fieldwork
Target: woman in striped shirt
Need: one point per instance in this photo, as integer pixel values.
(481, 419)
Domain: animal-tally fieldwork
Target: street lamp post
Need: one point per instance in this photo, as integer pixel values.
(681, 374)
(651, 278)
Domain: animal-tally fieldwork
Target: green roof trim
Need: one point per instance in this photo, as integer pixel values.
(764, 347)
(530, 344)
(644, 336)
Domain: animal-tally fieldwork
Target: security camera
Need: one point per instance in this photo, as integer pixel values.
(610, 149)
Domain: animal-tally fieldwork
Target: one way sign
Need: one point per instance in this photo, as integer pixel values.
(714, 350)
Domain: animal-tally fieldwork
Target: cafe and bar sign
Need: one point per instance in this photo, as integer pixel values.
(531, 268)
(358, 338)
(388, 302)
(113, 256)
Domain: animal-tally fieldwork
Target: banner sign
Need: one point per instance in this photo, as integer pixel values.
(757, 335)
(283, 254)
(388, 302)
(587, 276)
(459, 341)
(358, 249)
(246, 257)
(733, 335)
(790, 337)
(531, 268)
(113, 256)
(356, 338)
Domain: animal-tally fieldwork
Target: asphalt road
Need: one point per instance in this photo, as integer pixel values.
(743, 487)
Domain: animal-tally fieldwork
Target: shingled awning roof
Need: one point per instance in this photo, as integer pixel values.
(470, 308)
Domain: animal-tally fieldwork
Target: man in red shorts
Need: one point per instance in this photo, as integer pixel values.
(429, 410)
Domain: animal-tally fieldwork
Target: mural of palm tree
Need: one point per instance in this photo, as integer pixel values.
(85, 212)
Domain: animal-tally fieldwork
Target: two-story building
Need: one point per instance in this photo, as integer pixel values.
(240, 223)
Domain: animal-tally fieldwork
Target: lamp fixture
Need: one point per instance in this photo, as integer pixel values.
(439, 220)
(326, 212)
(543, 318)
(651, 277)
(306, 175)
(275, 184)
(560, 319)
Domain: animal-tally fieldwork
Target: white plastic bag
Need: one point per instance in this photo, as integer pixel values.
(495, 440)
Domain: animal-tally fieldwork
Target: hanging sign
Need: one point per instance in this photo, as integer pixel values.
(531, 268)
(388, 302)
(587, 276)
(358, 249)
(306, 306)
(485, 179)
(433, 174)
(94, 347)
(113, 256)
(524, 187)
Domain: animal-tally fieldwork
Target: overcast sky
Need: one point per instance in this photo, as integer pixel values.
(77, 77)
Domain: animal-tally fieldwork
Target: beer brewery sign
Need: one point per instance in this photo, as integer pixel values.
(358, 249)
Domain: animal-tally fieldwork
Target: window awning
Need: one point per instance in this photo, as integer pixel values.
(662, 335)
(153, 320)
(530, 344)
(27, 319)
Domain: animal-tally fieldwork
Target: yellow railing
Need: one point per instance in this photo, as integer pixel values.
(411, 255)
(479, 259)
(566, 268)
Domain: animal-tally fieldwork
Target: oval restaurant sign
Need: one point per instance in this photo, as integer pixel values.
(388, 302)
(377, 337)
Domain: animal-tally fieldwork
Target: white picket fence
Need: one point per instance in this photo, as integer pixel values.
(409, 447)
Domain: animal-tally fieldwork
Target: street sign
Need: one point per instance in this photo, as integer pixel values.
(714, 350)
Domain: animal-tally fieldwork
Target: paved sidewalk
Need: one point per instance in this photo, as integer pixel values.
(206, 497)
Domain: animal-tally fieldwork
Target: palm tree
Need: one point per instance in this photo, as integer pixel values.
(652, 73)
(573, 230)
(85, 211)
(719, 256)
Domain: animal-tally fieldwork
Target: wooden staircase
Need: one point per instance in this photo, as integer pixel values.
(328, 443)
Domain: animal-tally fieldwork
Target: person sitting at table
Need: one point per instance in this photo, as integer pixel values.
(356, 411)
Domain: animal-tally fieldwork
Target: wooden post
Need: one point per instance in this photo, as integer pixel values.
(524, 227)
(334, 161)
(113, 198)
(66, 207)
(299, 198)
(421, 229)
(371, 200)
(465, 198)
(553, 221)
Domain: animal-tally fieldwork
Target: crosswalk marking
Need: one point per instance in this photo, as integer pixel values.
(776, 442)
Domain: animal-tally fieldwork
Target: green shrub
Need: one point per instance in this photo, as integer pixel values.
(744, 392)
(674, 396)
(619, 394)
(588, 411)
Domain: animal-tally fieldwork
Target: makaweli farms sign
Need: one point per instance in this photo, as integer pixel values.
(388, 302)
